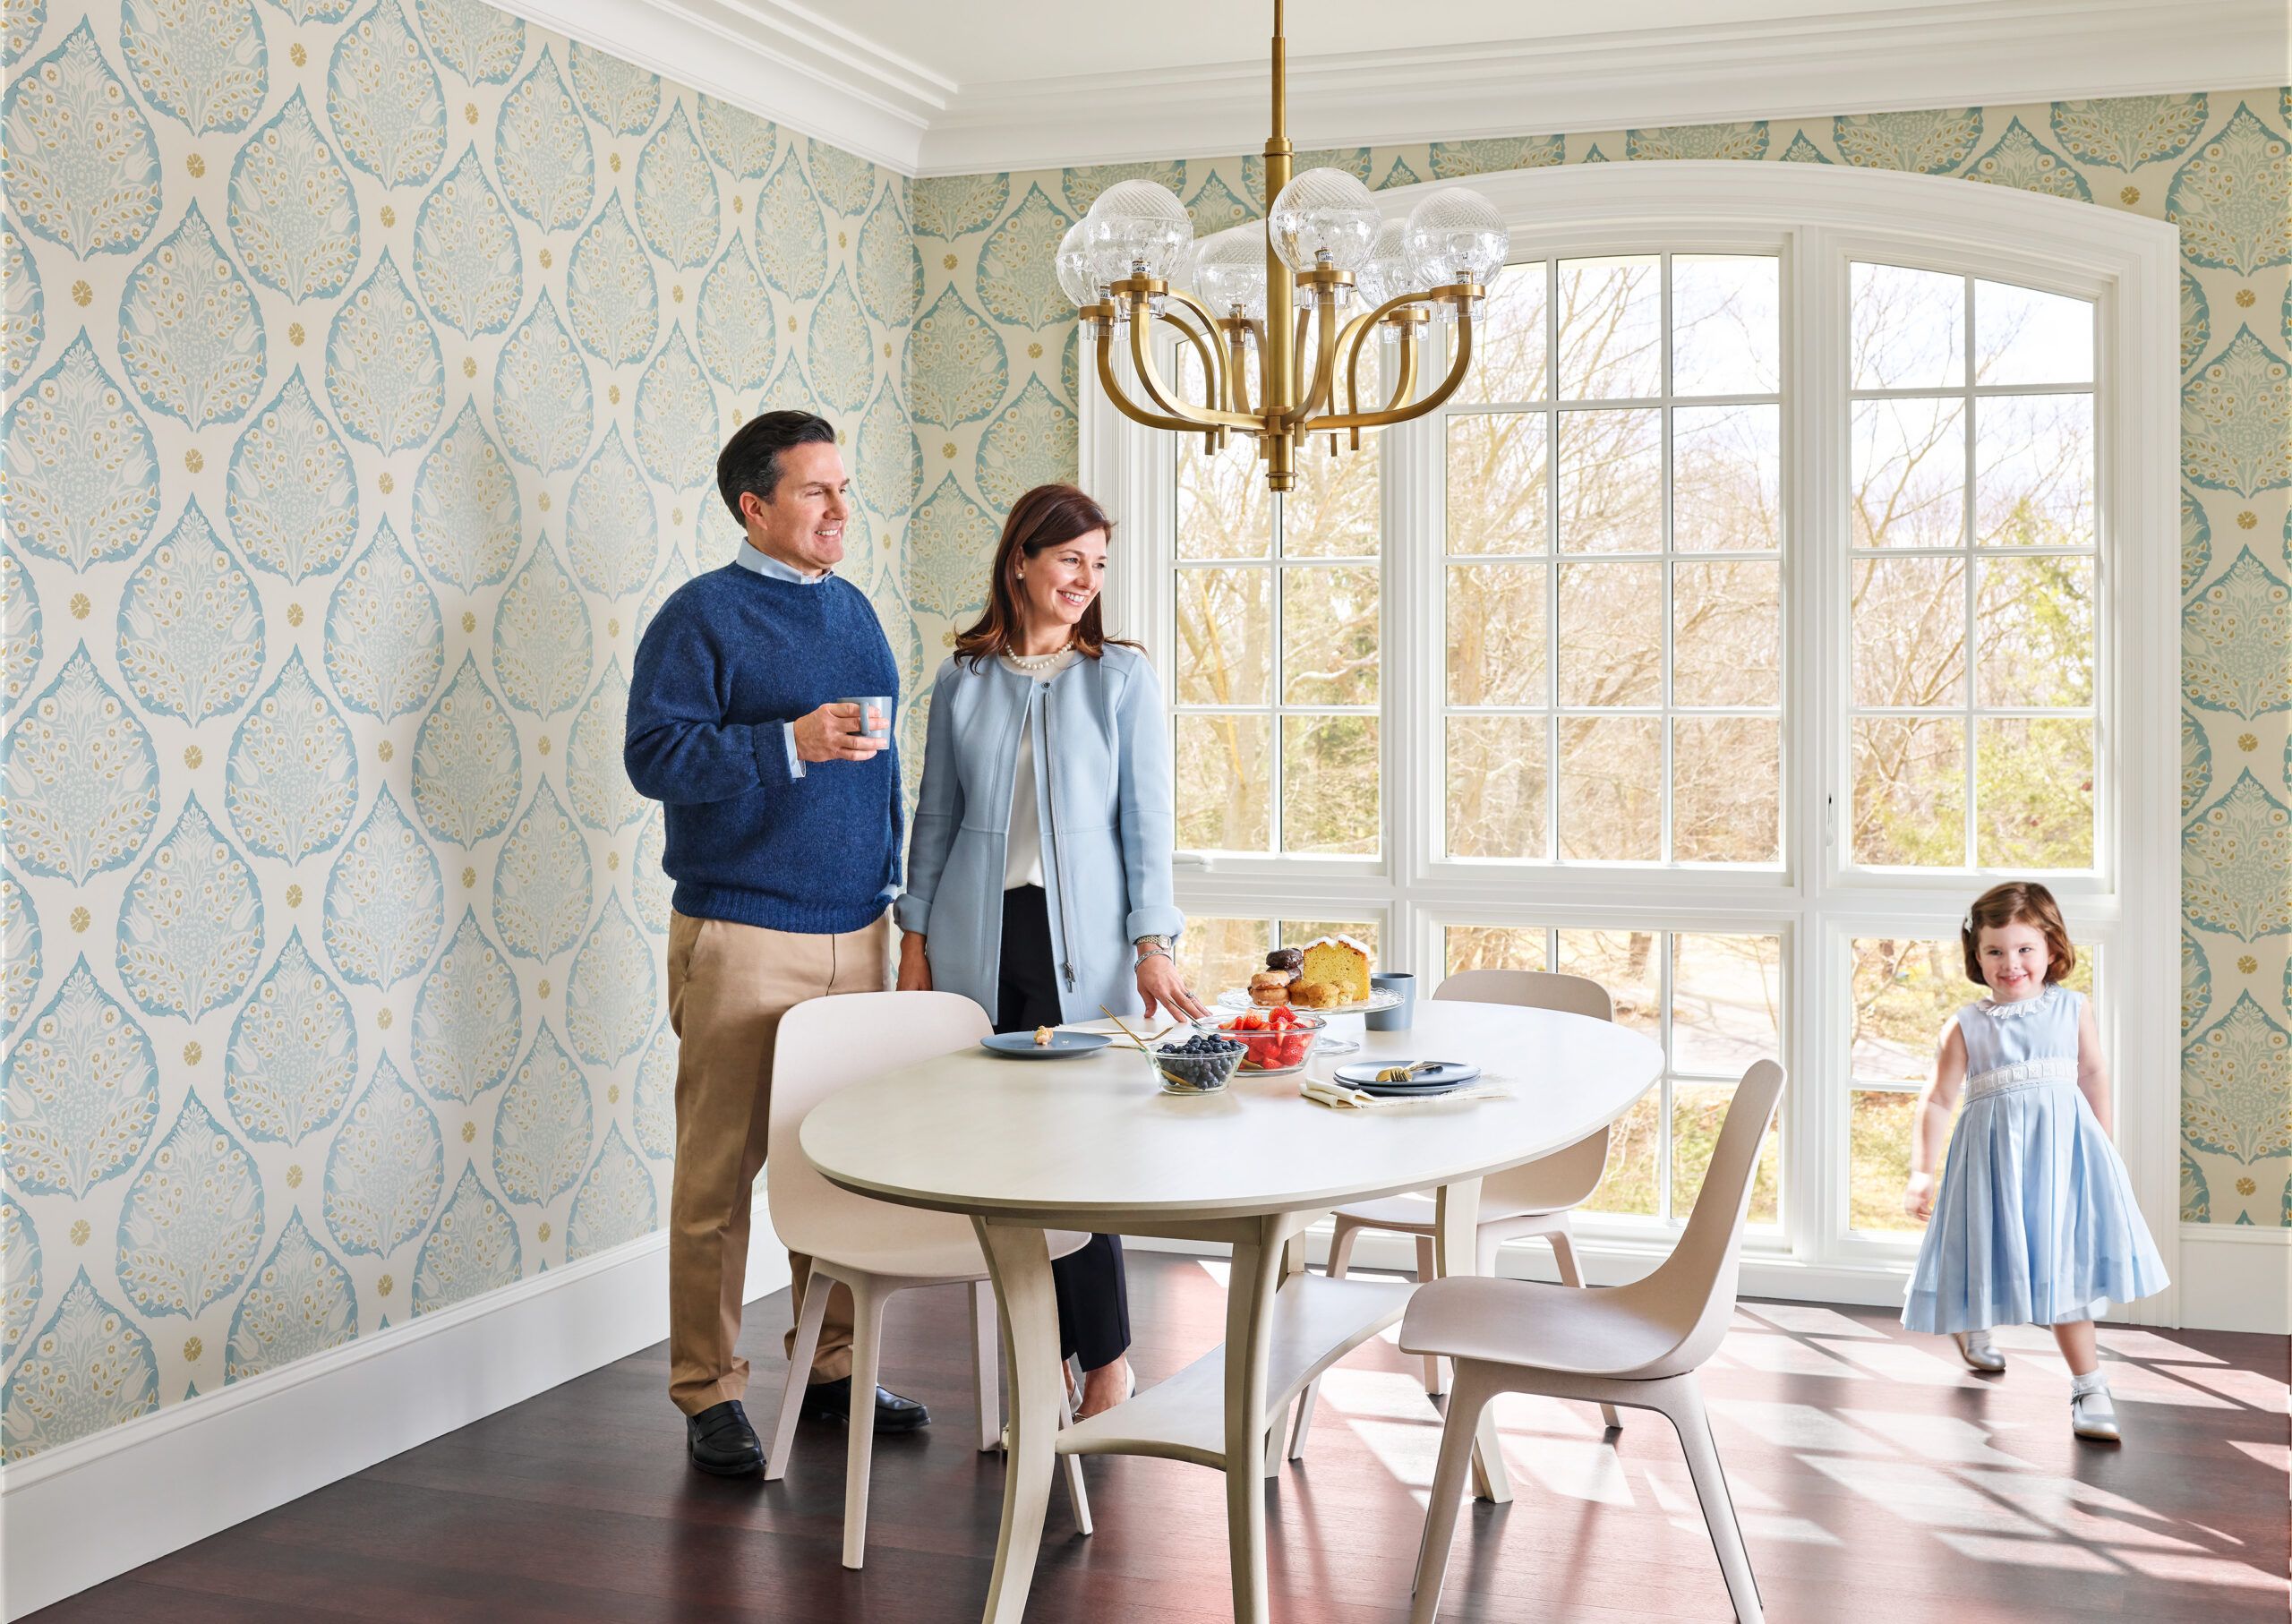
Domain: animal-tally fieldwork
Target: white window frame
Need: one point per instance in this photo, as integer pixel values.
(1818, 218)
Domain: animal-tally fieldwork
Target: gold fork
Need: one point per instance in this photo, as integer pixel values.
(1134, 1037)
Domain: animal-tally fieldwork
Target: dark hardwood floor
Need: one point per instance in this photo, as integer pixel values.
(1874, 1475)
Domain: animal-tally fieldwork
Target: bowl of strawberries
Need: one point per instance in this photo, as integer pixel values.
(1276, 1039)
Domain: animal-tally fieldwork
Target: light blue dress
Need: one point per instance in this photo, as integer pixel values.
(2035, 1223)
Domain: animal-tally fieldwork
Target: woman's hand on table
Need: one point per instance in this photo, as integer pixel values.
(1160, 985)
(914, 968)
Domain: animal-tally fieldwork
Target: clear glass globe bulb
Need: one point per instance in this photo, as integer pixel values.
(1386, 273)
(1229, 272)
(1453, 237)
(1072, 261)
(1323, 216)
(1137, 223)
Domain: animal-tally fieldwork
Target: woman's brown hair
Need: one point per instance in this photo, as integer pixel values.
(1046, 517)
(2018, 902)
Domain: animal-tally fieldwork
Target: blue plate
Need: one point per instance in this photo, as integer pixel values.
(1063, 1046)
(1434, 1080)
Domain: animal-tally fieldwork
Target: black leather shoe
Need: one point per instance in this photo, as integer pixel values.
(721, 1441)
(832, 1401)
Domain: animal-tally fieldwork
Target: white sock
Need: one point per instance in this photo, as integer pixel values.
(2091, 1381)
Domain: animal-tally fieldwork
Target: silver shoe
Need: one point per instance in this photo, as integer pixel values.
(1976, 1348)
(2093, 1416)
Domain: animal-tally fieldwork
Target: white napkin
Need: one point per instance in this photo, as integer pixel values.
(1338, 1097)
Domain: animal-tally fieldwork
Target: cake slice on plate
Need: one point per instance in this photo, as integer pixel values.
(1341, 963)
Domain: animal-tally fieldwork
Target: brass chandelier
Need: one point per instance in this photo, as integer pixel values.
(1325, 239)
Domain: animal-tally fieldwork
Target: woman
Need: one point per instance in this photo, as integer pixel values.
(1038, 871)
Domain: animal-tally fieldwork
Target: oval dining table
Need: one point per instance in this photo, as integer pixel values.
(1091, 1144)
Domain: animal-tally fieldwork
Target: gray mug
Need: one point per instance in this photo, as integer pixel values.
(879, 702)
(1402, 1015)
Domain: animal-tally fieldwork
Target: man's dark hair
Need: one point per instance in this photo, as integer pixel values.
(750, 459)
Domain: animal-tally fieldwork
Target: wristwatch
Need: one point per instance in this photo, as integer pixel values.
(1147, 946)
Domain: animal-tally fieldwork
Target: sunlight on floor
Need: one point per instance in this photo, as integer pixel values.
(1806, 1319)
(2028, 1552)
(1984, 1479)
(2276, 1456)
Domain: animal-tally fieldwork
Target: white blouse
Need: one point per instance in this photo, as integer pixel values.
(1023, 851)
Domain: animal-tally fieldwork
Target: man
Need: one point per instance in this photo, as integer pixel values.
(783, 839)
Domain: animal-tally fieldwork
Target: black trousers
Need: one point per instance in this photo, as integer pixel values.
(1093, 1295)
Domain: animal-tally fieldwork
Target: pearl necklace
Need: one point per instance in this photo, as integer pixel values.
(1037, 663)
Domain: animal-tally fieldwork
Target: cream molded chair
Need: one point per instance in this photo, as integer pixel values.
(1532, 1198)
(1638, 1345)
(874, 1247)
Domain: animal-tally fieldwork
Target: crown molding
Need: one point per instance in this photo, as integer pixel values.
(792, 65)
(1957, 55)
(800, 68)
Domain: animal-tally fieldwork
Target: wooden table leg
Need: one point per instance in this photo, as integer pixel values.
(1457, 1252)
(1255, 1274)
(1019, 1258)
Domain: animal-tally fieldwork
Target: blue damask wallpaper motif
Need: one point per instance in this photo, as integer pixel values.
(992, 385)
(367, 363)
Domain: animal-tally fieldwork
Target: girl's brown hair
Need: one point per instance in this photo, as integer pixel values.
(1046, 517)
(2018, 902)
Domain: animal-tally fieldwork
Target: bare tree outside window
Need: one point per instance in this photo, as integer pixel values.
(1278, 601)
(1973, 587)
(1609, 570)
(1614, 583)
(1714, 1002)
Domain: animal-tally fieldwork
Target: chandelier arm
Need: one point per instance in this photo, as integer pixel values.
(1348, 343)
(1458, 365)
(1131, 409)
(1312, 400)
(1264, 392)
(1184, 418)
(1169, 400)
(1358, 329)
(1206, 348)
(1405, 384)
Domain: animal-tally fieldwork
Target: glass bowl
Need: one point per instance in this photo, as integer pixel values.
(1282, 1048)
(1193, 1073)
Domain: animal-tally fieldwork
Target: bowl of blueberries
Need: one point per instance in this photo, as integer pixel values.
(1204, 1064)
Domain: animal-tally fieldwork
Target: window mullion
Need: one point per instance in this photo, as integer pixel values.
(1965, 541)
(1818, 583)
(1552, 559)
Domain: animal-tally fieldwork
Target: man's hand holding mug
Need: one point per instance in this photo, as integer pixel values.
(836, 731)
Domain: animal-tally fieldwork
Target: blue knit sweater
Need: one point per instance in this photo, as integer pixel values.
(731, 657)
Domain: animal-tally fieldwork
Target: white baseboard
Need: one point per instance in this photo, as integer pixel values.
(166, 1479)
(2237, 1278)
(2230, 1279)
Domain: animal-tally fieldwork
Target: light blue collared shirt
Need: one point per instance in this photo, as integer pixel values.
(754, 558)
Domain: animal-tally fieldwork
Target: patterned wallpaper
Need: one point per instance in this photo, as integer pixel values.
(366, 363)
(992, 383)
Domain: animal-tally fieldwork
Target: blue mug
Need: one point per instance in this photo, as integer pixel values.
(1402, 1015)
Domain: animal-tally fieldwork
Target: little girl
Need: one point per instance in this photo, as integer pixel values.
(2035, 1224)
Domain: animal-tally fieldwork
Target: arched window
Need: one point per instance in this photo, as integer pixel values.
(1796, 559)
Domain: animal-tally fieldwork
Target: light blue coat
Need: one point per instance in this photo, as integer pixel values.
(1102, 800)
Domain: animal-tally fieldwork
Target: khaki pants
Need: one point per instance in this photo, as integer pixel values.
(728, 986)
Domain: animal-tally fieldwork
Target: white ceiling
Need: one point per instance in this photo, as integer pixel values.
(940, 87)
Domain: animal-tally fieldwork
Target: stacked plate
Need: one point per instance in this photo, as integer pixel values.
(1425, 1077)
